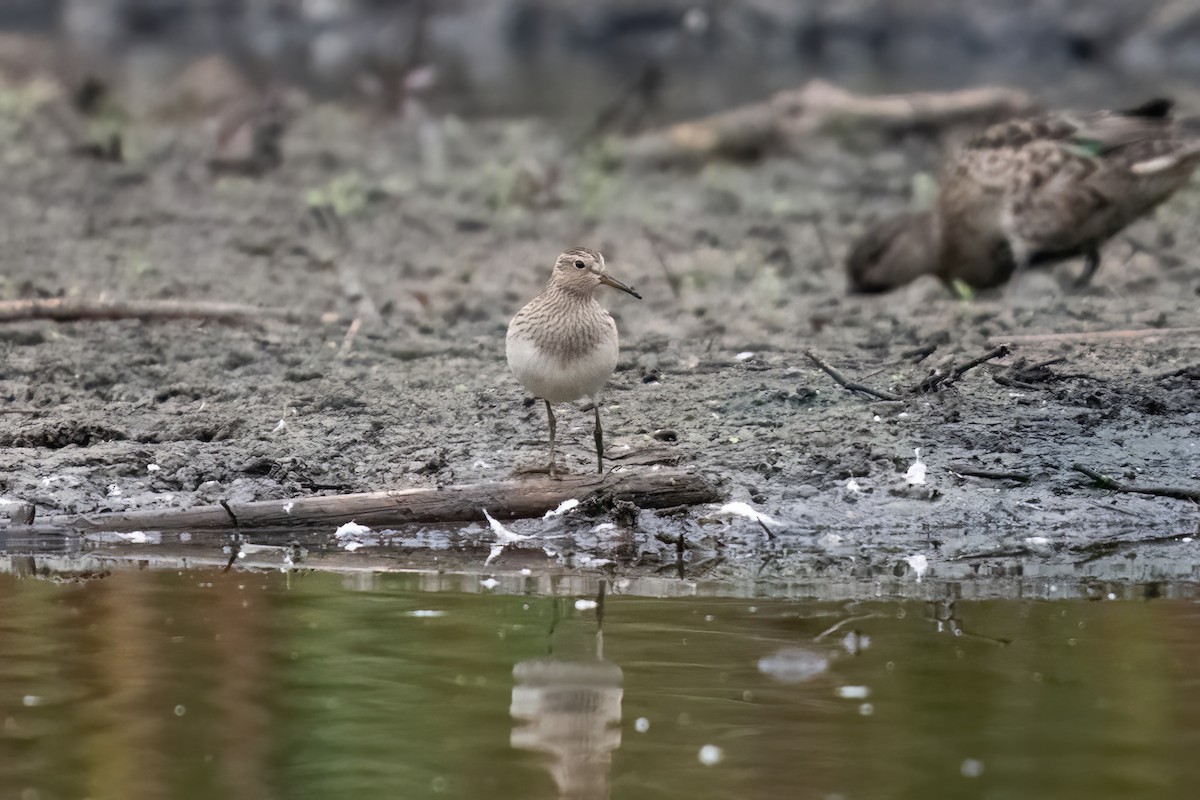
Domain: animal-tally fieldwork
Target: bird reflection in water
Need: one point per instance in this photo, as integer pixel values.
(568, 705)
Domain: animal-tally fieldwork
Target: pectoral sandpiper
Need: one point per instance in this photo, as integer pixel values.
(562, 345)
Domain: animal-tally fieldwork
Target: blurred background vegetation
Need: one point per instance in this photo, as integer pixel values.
(518, 56)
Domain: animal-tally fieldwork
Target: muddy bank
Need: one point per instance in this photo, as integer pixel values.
(450, 229)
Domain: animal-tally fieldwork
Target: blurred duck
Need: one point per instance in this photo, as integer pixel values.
(1030, 192)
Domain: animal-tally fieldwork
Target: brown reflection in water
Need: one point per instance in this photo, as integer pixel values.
(241, 645)
(215, 670)
(125, 756)
(570, 708)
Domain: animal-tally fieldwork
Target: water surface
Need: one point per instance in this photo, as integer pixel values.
(200, 684)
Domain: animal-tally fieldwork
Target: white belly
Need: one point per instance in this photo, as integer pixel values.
(557, 381)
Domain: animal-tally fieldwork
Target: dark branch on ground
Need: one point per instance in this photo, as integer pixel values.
(848, 385)
(1023, 375)
(656, 248)
(940, 380)
(1084, 337)
(1105, 482)
(1103, 548)
(919, 354)
(995, 475)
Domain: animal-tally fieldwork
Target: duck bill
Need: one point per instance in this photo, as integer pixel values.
(616, 284)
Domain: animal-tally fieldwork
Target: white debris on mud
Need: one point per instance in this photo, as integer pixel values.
(351, 528)
(916, 472)
(919, 565)
(740, 509)
(563, 507)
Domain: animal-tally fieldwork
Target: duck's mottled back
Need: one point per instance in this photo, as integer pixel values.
(1037, 190)
(1105, 129)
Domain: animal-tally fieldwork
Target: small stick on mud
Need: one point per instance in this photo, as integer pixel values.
(331, 226)
(1025, 375)
(1092, 336)
(770, 533)
(830, 265)
(1096, 550)
(940, 380)
(232, 516)
(62, 310)
(351, 335)
(845, 384)
(629, 108)
(1105, 482)
(919, 354)
(1192, 372)
(506, 500)
(656, 248)
(235, 548)
(993, 475)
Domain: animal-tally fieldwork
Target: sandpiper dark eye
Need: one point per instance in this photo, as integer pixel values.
(580, 265)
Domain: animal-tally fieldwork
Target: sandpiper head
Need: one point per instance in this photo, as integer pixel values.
(893, 252)
(582, 270)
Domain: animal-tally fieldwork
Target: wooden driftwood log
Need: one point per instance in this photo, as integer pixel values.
(817, 106)
(505, 500)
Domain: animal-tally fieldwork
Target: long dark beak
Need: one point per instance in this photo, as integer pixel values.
(616, 284)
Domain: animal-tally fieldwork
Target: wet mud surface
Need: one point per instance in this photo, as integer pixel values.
(452, 226)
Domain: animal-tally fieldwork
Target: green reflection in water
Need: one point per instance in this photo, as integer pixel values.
(201, 684)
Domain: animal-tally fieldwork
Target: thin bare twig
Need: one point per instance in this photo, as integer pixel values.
(348, 339)
(1096, 550)
(1091, 336)
(770, 533)
(919, 354)
(656, 248)
(845, 384)
(1024, 375)
(1105, 482)
(1192, 371)
(995, 475)
(232, 516)
(940, 380)
(235, 546)
(630, 107)
(333, 228)
(829, 264)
